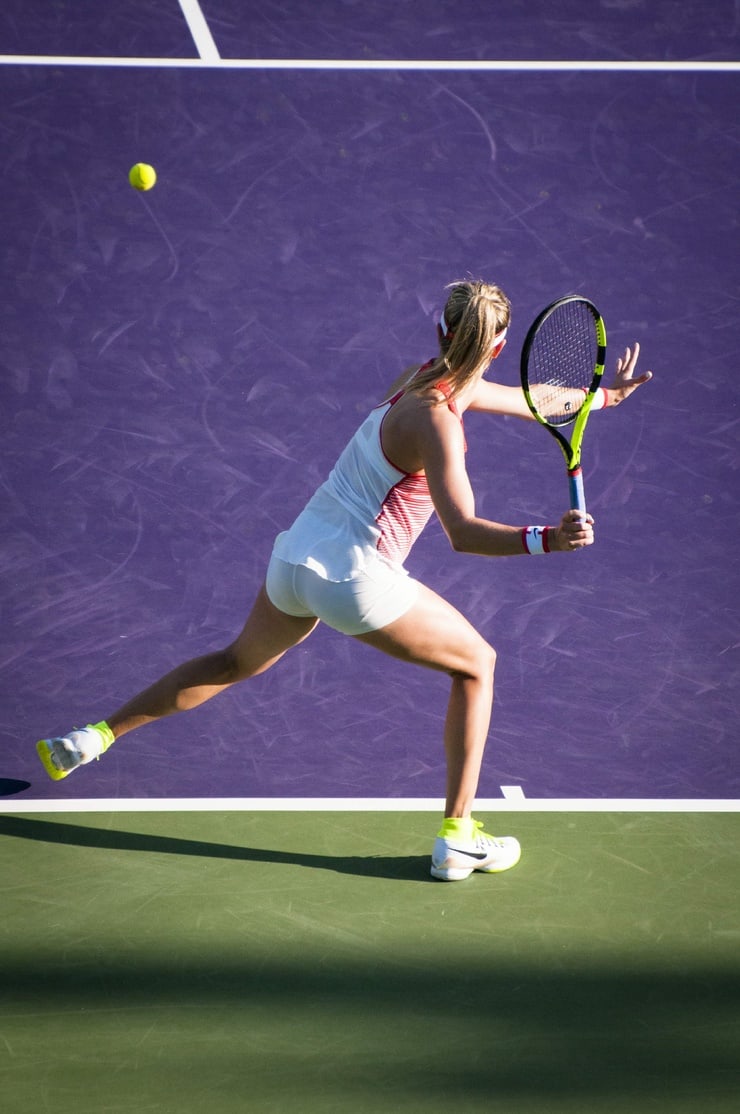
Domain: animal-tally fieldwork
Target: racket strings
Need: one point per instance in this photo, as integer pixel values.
(561, 362)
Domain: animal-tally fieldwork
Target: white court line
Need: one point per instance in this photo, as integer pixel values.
(201, 32)
(364, 804)
(210, 59)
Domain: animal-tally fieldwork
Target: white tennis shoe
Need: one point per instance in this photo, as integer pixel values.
(463, 847)
(60, 756)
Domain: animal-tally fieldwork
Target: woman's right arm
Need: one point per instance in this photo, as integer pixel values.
(441, 447)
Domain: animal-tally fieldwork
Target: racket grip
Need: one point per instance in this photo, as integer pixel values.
(577, 496)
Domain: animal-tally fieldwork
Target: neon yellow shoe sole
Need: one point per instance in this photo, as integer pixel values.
(81, 746)
(43, 748)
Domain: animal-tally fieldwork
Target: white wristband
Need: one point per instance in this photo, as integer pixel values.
(535, 539)
(601, 398)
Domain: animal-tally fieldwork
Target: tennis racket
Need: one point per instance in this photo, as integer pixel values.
(562, 363)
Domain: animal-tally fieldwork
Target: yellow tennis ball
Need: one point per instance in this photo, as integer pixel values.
(142, 176)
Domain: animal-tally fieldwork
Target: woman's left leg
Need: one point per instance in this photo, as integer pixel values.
(267, 634)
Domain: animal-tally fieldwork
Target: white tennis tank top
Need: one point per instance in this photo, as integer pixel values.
(366, 510)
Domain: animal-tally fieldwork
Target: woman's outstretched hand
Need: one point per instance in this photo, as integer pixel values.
(625, 380)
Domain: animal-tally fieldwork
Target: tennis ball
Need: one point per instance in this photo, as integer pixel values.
(142, 176)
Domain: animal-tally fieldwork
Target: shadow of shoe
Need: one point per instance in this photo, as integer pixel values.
(11, 785)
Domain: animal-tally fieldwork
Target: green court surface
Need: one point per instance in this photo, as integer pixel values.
(305, 962)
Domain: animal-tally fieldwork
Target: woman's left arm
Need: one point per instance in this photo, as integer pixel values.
(495, 398)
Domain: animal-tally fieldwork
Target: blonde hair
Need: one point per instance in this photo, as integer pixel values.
(475, 314)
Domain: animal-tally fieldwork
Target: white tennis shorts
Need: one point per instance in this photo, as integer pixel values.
(369, 601)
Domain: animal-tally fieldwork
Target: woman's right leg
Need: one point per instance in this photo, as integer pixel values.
(435, 634)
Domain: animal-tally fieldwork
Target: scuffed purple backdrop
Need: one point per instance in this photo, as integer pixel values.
(179, 370)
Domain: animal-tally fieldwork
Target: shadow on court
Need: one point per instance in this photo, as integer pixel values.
(343, 1030)
(400, 867)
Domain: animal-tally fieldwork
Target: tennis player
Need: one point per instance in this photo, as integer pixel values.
(341, 562)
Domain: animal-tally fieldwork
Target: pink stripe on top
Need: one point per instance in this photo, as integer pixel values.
(408, 505)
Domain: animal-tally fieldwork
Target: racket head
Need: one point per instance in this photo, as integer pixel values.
(563, 360)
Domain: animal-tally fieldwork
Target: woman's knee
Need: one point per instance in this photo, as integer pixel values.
(239, 662)
(481, 662)
(230, 667)
(488, 659)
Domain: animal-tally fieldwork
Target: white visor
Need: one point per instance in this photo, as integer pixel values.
(498, 339)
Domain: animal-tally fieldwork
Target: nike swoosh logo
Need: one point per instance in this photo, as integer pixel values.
(470, 854)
